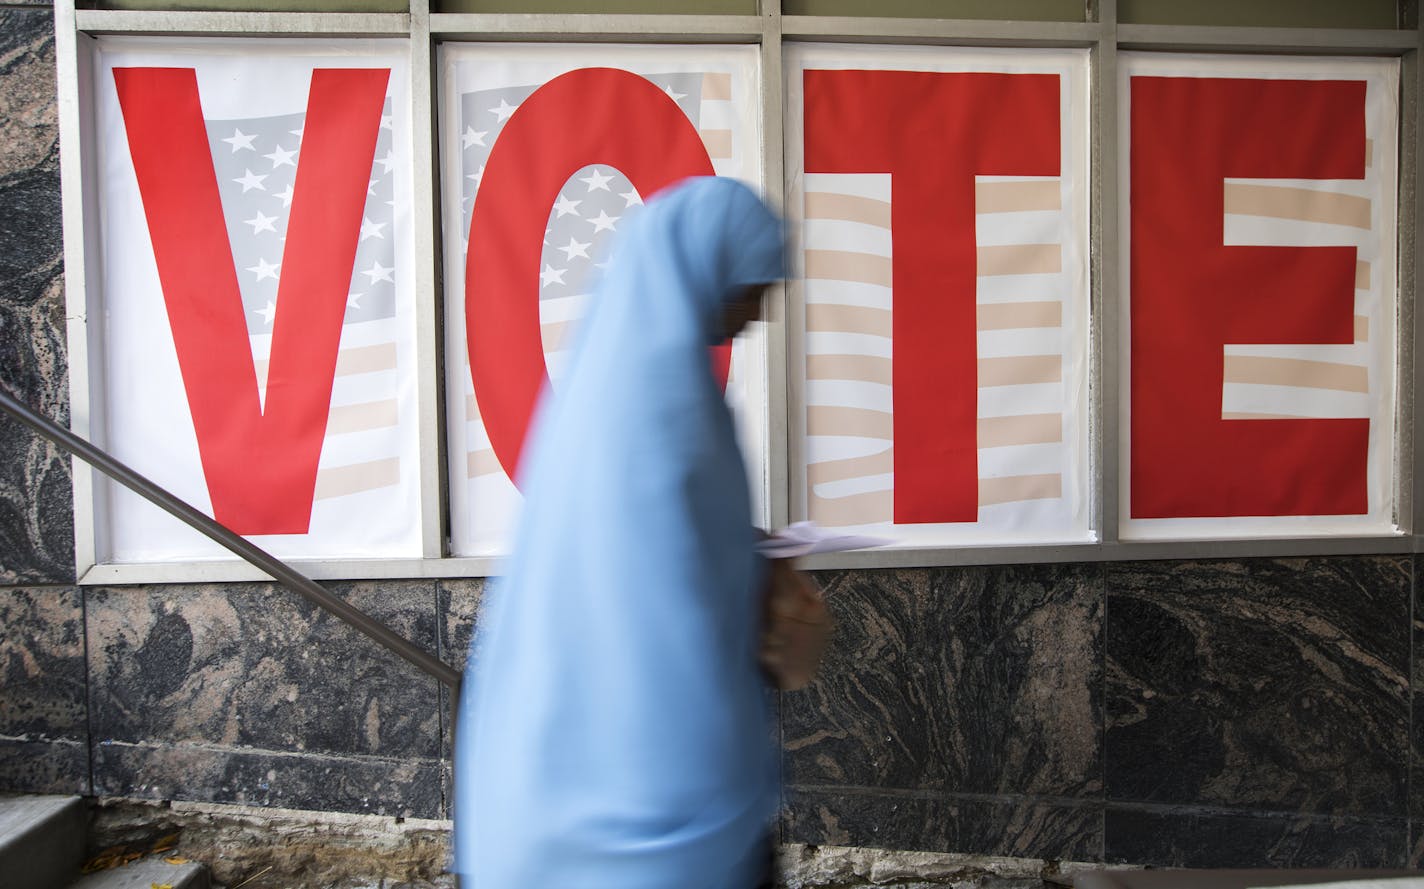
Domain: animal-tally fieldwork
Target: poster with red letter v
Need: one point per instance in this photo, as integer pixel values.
(256, 295)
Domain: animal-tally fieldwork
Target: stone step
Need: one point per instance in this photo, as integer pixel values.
(147, 873)
(41, 840)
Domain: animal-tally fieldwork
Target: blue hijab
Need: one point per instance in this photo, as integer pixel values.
(613, 731)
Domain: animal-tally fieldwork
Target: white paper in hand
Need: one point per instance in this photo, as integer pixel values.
(806, 538)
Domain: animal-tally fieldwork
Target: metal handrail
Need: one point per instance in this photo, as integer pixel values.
(280, 571)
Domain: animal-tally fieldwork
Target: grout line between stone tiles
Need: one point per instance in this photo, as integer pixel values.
(1103, 708)
(1411, 755)
(88, 690)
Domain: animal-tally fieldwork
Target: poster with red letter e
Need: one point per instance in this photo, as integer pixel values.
(1258, 296)
(255, 311)
(940, 204)
(546, 152)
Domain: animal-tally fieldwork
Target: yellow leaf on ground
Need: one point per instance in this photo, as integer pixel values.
(176, 860)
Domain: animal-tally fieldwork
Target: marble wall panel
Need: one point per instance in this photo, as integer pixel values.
(1268, 684)
(459, 609)
(44, 741)
(376, 785)
(227, 672)
(36, 510)
(1185, 837)
(1065, 831)
(977, 680)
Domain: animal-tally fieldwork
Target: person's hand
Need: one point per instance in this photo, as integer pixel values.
(795, 627)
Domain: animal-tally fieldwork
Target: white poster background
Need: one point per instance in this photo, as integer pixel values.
(259, 89)
(481, 85)
(1379, 302)
(1057, 520)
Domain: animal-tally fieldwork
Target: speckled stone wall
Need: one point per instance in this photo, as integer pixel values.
(1213, 713)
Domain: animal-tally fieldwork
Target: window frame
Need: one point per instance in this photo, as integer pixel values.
(1099, 31)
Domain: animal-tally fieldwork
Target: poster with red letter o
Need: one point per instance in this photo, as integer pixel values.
(940, 207)
(1259, 298)
(546, 152)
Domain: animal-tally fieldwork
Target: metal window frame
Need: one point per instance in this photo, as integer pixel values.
(1100, 32)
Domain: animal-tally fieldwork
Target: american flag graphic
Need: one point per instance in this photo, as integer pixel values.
(848, 247)
(589, 210)
(256, 162)
(1274, 381)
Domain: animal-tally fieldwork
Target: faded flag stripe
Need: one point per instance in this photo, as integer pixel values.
(861, 368)
(852, 467)
(554, 335)
(1017, 488)
(847, 207)
(1362, 275)
(1020, 259)
(1023, 429)
(342, 481)
(837, 318)
(361, 417)
(716, 86)
(1362, 328)
(1020, 371)
(1245, 415)
(1017, 197)
(482, 462)
(349, 362)
(1011, 316)
(844, 265)
(1301, 204)
(856, 421)
(1297, 372)
(718, 143)
(869, 508)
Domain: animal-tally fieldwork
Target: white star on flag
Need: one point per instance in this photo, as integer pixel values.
(268, 312)
(596, 180)
(632, 197)
(388, 162)
(604, 222)
(265, 269)
(240, 140)
(675, 96)
(378, 272)
(551, 275)
(281, 156)
(261, 223)
(564, 206)
(503, 111)
(575, 248)
(250, 181)
(371, 229)
(478, 176)
(298, 131)
(472, 137)
(353, 300)
(286, 195)
(385, 121)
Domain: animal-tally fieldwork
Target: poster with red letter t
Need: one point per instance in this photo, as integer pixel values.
(939, 367)
(1259, 296)
(255, 313)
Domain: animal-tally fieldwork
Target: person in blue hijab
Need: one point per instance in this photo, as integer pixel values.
(613, 731)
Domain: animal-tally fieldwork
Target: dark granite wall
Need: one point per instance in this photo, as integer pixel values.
(1254, 712)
